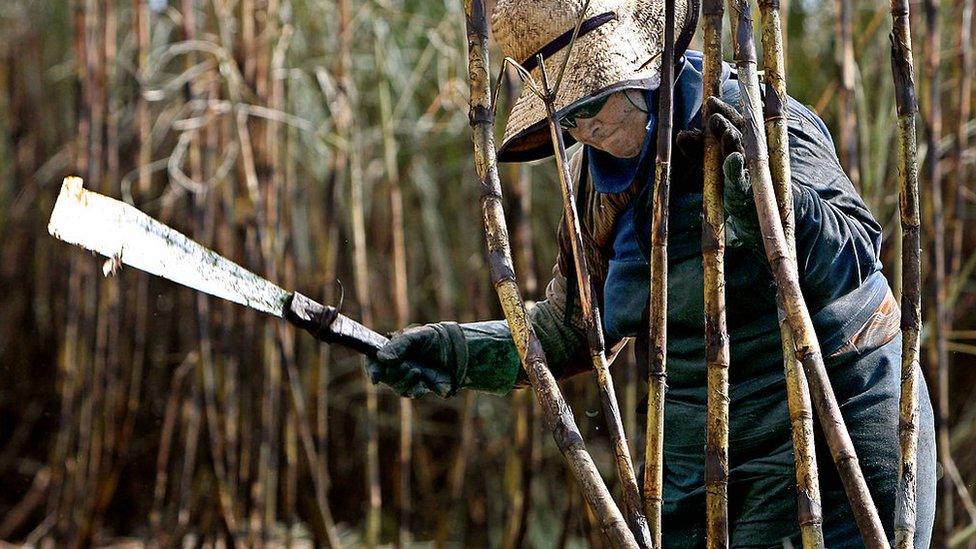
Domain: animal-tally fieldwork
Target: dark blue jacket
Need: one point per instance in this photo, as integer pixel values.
(856, 319)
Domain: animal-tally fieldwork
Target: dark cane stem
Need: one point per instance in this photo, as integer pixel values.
(658, 314)
(557, 414)
(788, 285)
(716, 332)
(911, 298)
(797, 388)
(633, 507)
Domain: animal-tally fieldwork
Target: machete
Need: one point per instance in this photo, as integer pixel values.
(127, 236)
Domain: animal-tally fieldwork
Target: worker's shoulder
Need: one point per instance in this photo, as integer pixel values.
(809, 136)
(802, 117)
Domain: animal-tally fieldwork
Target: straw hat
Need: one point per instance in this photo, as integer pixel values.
(619, 46)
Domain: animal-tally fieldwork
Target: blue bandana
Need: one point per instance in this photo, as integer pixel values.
(614, 175)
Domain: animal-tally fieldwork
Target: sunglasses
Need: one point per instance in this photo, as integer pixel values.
(586, 110)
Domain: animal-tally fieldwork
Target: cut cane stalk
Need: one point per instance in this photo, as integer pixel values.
(658, 314)
(633, 506)
(558, 415)
(797, 389)
(788, 285)
(716, 332)
(911, 297)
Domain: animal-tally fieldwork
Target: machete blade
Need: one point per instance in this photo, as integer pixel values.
(124, 234)
(127, 236)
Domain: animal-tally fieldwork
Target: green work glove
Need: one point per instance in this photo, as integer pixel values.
(725, 123)
(445, 357)
(741, 220)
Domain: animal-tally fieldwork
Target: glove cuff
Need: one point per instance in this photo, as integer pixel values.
(454, 352)
(491, 362)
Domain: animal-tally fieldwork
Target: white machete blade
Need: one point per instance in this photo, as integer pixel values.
(125, 234)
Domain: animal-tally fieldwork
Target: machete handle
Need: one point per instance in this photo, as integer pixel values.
(326, 324)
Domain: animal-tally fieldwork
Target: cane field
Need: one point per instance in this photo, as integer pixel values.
(326, 145)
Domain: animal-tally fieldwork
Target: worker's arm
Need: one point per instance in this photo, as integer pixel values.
(838, 241)
(837, 238)
(445, 357)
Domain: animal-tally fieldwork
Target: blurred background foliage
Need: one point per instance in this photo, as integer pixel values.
(132, 409)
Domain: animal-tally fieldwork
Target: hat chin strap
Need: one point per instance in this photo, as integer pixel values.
(563, 39)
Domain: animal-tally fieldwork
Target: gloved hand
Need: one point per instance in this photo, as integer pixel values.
(725, 123)
(445, 357)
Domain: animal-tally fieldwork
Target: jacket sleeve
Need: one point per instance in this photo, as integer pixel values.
(564, 339)
(838, 241)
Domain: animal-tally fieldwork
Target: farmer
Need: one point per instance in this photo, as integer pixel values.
(607, 102)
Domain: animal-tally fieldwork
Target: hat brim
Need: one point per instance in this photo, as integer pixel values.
(632, 63)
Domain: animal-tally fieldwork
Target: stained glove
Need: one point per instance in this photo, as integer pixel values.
(725, 123)
(445, 357)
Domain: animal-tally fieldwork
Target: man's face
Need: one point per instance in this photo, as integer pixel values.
(618, 128)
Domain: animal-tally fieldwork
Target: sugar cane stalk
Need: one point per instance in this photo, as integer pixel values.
(558, 415)
(594, 327)
(716, 333)
(847, 115)
(338, 175)
(911, 271)
(933, 173)
(961, 166)
(797, 388)
(788, 285)
(165, 445)
(658, 314)
(905, 513)
(525, 454)
(68, 356)
(524, 459)
(360, 260)
(140, 25)
(401, 306)
(361, 265)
